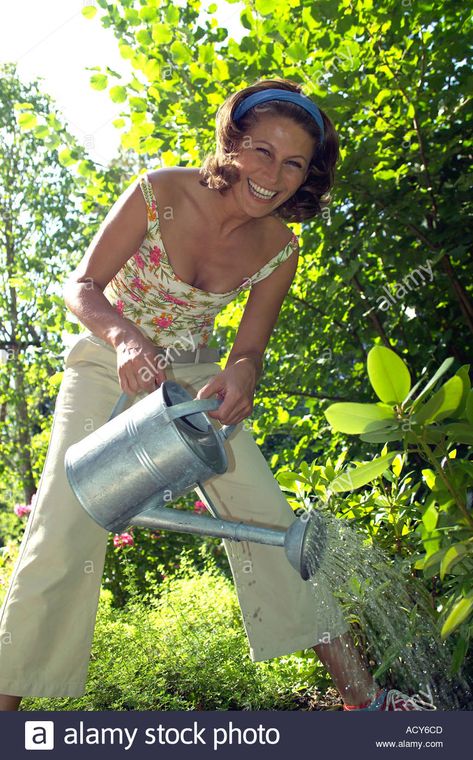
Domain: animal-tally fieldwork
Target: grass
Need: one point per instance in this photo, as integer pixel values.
(185, 649)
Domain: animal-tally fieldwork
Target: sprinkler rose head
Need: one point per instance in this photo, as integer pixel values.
(306, 542)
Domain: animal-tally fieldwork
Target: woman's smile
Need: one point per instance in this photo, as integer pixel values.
(259, 192)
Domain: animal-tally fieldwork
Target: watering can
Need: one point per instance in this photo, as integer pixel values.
(159, 449)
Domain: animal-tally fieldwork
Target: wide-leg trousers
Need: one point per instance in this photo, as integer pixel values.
(48, 615)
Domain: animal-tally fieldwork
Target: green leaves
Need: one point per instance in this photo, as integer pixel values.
(354, 478)
(89, 11)
(99, 81)
(358, 418)
(461, 610)
(443, 403)
(388, 375)
(180, 52)
(453, 555)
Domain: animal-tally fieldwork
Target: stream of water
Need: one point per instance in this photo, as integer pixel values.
(391, 612)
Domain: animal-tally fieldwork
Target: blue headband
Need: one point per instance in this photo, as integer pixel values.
(276, 94)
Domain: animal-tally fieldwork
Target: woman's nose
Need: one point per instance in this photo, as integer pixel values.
(273, 174)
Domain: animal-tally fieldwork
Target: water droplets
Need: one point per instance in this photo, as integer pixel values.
(391, 613)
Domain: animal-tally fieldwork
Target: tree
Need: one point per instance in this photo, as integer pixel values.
(42, 232)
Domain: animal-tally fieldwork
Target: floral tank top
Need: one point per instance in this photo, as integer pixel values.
(147, 291)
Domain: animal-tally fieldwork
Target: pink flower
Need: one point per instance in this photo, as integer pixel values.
(123, 539)
(22, 509)
(163, 321)
(155, 255)
(199, 507)
(138, 283)
(139, 260)
(119, 307)
(173, 299)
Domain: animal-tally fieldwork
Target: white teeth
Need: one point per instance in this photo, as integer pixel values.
(261, 191)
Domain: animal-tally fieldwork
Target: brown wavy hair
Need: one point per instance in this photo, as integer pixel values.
(219, 171)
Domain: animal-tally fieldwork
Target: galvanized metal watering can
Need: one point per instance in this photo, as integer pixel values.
(154, 452)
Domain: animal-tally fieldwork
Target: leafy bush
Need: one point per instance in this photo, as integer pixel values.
(424, 514)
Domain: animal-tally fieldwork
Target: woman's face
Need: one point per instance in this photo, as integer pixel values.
(273, 160)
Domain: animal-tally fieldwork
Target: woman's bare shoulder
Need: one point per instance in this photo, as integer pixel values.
(279, 233)
(170, 177)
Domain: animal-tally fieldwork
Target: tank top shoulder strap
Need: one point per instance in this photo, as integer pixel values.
(150, 200)
(273, 263)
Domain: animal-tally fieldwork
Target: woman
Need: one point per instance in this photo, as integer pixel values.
(176, 247)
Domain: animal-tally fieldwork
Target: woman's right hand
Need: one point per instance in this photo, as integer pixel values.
(140, 364)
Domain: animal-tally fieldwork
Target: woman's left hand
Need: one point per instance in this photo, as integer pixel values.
(236, 386)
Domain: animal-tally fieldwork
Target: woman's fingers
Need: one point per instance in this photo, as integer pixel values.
(140, 366)
(215, 385)
(233, 409)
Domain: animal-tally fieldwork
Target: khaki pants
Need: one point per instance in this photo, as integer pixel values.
(48, 615)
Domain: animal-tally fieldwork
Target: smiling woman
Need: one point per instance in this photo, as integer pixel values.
(275, 157)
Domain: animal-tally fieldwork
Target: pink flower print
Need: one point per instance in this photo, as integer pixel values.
(152, 210)
(163, 321)
(155, 255)
(199, 507)
(173, 299)
(22, 509)
(119, 307)
(139, 260)
(123, 539)
(138, 283)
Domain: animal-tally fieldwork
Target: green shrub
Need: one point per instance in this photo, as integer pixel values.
(184, 650)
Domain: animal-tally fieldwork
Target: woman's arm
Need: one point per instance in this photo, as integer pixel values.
(237, 382)
(119, 236)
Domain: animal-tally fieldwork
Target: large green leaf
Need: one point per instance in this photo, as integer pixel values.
(430, 517)
(454, 554)
(354, 478)
(459, 613)
(358, 418)
(444, 367)
(443, 403)
(388, 375)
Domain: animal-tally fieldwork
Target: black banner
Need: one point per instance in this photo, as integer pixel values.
(234, 734)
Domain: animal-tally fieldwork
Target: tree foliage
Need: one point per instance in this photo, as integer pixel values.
(388, 266)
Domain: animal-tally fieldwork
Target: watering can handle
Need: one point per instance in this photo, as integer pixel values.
(180, 410)
(199, 405)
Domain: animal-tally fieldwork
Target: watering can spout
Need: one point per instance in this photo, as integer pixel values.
(306, 543)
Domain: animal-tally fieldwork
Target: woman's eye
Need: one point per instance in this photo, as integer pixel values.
(294, 163)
